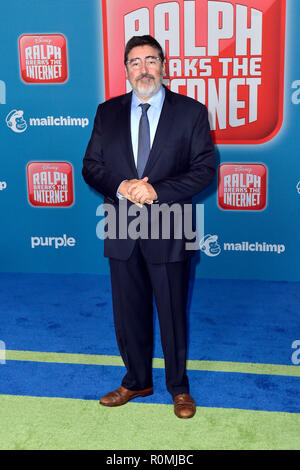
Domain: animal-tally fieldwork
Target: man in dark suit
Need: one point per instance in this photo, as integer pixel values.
(150, 148)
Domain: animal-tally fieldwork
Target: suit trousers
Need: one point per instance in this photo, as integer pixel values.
(134, 282)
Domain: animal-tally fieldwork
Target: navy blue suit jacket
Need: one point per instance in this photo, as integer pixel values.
(180, 165)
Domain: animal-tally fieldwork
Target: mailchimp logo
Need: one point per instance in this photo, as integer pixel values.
(210, 246)
(15, 121)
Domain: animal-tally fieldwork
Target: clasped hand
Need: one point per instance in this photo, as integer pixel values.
(138, 191)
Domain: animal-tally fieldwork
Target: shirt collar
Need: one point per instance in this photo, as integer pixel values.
(156, 100)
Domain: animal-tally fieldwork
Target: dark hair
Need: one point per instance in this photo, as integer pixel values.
(145, 40)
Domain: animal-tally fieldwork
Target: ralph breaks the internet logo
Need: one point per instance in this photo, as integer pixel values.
(50, 184)
(43, 58)
(229, 55)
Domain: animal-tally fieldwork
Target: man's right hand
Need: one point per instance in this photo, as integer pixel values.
(126, 185)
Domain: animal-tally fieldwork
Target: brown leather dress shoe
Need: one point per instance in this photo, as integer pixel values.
(122, 395)
(184, 405)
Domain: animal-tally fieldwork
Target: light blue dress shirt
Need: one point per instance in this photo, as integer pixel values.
(156, 103)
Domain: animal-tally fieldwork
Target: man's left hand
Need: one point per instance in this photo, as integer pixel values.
(142, 192)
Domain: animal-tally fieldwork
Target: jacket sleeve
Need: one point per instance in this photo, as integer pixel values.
(94, 171)
(201, 166)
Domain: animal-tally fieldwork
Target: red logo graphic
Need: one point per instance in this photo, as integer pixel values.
(242, 186)
(43, 58)
(229, 55)
(50, 184)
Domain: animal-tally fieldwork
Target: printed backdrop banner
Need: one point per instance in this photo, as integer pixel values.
(60, 59)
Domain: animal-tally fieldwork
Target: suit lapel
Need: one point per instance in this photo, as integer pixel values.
(125, 133)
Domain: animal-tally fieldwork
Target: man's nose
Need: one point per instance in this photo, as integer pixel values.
(144, 67)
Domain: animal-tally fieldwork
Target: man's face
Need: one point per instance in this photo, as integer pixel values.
(145, 78)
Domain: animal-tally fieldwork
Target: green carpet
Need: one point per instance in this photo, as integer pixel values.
(32, 423)
(99, 359)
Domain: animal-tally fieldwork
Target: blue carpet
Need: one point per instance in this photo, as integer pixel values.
(243, 321)
(209, 389)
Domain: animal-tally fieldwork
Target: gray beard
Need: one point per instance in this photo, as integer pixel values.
(144, 93)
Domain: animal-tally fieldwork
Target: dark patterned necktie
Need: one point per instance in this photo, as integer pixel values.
(144, 140)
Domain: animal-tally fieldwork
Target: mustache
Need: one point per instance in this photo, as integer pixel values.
(144, 75)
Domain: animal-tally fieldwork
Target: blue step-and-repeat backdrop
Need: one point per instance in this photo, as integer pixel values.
(61, 58)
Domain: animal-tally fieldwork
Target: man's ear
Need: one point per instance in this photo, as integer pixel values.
(126, 72)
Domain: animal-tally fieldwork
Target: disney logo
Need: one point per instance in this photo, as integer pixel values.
(41, 39)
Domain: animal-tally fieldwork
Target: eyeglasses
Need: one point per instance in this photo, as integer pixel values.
(151, 62)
